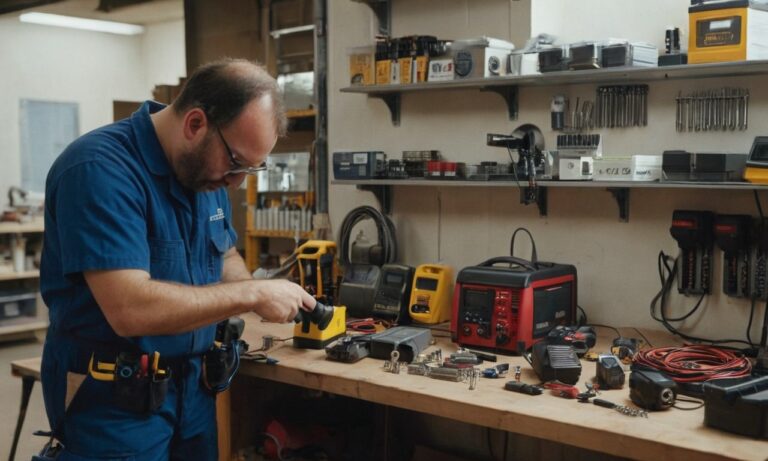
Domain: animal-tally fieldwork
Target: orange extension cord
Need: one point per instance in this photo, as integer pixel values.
(695, 363)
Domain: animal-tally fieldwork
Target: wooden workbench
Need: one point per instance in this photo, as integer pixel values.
(665, 435)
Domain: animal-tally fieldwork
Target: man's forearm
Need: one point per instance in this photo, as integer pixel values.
(135, 305)
(234, 267)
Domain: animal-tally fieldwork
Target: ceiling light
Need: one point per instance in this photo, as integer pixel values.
(82, 23)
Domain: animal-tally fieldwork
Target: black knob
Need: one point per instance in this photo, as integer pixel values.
(321, 315)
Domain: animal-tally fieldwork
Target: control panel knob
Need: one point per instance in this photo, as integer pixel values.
(467, 331)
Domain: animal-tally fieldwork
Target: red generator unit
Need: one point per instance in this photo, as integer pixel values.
(508, 304)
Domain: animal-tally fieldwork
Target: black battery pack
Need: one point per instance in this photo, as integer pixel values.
(738, 406)
(408, 341)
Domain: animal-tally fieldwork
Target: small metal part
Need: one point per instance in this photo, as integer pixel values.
(518, 373)
(473, 375)
(417, 369)
(447, 374)
(268, 341)
(393, 364)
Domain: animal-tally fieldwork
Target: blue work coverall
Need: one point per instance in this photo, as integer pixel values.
(113, 202)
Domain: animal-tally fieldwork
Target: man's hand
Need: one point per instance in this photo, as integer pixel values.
(280, 300)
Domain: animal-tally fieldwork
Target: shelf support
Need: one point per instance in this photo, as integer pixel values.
(509, 93)
(382, 193)
(536, 194)
(382, 9)
(392, 100)
(621, 194)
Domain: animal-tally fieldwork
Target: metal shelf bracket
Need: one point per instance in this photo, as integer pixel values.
(382, 193)
(392, 100)
(621, 194)
(509, 93)
(382, 9)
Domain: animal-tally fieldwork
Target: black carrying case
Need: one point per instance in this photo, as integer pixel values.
(739, 406)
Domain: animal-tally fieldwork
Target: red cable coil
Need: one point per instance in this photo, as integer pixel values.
(695, 363)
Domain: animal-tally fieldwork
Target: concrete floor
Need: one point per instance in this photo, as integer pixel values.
(10, 399)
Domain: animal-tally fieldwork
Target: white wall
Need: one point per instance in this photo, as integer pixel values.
(163, 54)
(646, 20)
(462, 226)
(88, 68)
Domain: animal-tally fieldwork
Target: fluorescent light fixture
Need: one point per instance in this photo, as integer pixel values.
(291, 30)
(82, 23)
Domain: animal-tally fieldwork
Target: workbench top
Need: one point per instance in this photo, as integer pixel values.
(665, 435)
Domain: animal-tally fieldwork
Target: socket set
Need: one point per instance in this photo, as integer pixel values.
(723, 109)
(622, 106)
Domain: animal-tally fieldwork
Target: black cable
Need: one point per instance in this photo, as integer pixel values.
(699, 402)
(514, 169)
(757, 202)
(662, 294)
(751, 317)
(534, 255)
(384, 227)
(764, 335)
(584, 315)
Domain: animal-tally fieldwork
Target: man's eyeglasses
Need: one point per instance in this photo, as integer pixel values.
(236, 166)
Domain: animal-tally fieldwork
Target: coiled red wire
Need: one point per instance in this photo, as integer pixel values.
(695, 363)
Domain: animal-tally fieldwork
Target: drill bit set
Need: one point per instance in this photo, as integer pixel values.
(621, 106)
(713, 110)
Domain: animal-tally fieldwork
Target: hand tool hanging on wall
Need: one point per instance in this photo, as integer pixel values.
(621, 106)
(713, 110)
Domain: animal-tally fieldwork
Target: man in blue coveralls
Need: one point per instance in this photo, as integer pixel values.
(139, 257)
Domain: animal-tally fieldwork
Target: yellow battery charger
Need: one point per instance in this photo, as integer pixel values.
(756, 170)
(431, 294)
(318, 269)
(726, 31)
(307, 335)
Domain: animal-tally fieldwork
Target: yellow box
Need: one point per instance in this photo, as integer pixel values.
(431, 294)
(361, 65)
(383, 72)
(307, 336)
(727, 34)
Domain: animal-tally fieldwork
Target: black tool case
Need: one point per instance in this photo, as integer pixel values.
(741, 408)
(408, 341)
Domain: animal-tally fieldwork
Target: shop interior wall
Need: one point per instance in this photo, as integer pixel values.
(461, 226)
(88, 68)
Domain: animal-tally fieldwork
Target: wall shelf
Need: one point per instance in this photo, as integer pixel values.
(507, 86)
(382, 188)
(35, 225)
(19, 275)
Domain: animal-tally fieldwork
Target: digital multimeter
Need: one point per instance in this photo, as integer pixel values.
(757, 162)
(431, 295)
(394, 292)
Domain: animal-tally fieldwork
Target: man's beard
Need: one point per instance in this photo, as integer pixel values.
(192, 165)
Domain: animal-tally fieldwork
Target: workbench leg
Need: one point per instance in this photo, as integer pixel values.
(27, 383)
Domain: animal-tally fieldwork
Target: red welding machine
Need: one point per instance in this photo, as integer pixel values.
(508, 303)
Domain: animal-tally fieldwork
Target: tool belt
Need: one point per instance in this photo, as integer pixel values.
(140, 380)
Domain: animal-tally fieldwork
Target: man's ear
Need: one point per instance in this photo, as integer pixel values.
(195, 124)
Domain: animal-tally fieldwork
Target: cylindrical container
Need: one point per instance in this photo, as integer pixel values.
(18, 249)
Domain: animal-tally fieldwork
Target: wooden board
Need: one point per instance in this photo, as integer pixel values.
(27, 367)
(672, 434)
